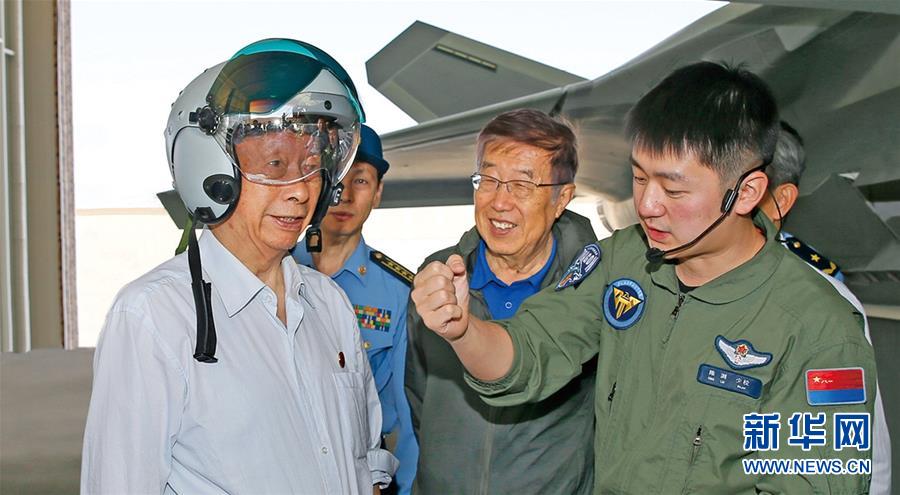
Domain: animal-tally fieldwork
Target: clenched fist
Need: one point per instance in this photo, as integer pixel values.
(441, 294)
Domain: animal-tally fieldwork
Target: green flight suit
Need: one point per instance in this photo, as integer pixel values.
(659, 429)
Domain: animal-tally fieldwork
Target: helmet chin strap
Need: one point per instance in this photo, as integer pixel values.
(205, 351)
(330, 195)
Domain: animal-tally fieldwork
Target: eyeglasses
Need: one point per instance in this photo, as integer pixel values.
(520, 189)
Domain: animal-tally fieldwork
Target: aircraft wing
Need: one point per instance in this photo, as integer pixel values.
(837, 80)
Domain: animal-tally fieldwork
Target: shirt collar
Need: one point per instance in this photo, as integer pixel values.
(232, 280)
(739, 281)
(359, 258)
(482, 273)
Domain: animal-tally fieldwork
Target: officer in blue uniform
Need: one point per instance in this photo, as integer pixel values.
(378, 288)
(784, 174)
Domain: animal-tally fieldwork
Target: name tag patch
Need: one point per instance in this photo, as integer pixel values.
(372, 318)
(729, 380)
(835, 386)
(581, 267)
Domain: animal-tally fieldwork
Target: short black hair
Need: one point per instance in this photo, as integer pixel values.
(725, 117)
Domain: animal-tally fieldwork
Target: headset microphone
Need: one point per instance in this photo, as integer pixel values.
(656, 255)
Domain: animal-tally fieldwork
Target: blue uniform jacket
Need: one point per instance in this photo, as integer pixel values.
(380, 299)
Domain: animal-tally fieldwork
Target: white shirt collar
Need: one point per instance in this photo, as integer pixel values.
(234, 282)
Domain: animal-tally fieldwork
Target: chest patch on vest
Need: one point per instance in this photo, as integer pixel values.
(583, 265)
(835, 386)
(729, 380)
(623, 303)
(372, 318)
(740, 354)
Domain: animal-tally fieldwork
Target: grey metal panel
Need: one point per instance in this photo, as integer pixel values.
(443, 192)
(444, 149)
(837, 215)
(430, 73)
(878, 6)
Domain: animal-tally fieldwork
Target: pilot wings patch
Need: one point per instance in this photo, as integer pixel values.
(740, 354)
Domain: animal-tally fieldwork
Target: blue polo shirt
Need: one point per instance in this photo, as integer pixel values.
(503, 300)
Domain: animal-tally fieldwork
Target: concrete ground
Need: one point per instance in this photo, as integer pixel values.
(44, 398)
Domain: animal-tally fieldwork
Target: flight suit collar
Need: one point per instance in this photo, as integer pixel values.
(738, 282)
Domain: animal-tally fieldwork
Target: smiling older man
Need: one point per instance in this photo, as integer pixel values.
(522, 242)
(246, 374)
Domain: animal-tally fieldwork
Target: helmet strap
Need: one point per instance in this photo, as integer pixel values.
(206, 328)
(326, 198)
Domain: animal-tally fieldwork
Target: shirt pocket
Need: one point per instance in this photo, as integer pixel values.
(713, 453)
(351, 393)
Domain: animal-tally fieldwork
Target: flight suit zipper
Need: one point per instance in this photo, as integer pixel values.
(609, 398)
(695, 450)
(678, 306)
(674, 316)
(698, 441)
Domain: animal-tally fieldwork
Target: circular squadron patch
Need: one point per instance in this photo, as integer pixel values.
(623, 303)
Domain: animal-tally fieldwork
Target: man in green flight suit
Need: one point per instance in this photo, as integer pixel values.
(710, 335)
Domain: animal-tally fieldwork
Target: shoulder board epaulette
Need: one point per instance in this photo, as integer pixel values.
(811, 256)
(392, 267)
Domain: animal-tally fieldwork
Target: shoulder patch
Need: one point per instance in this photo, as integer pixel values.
(392, 267)
(623, 303)
(835, 386)
(581, 267)
(811, 256)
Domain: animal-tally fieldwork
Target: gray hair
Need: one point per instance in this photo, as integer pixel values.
(789, 160)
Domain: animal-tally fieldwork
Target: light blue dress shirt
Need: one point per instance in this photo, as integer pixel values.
(380, 299)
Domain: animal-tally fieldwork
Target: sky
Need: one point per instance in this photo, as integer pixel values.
(130, 59)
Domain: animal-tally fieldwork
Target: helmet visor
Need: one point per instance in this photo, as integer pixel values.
(284, 103)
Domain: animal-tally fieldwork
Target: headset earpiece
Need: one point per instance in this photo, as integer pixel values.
(729, 200)
(221, 188)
